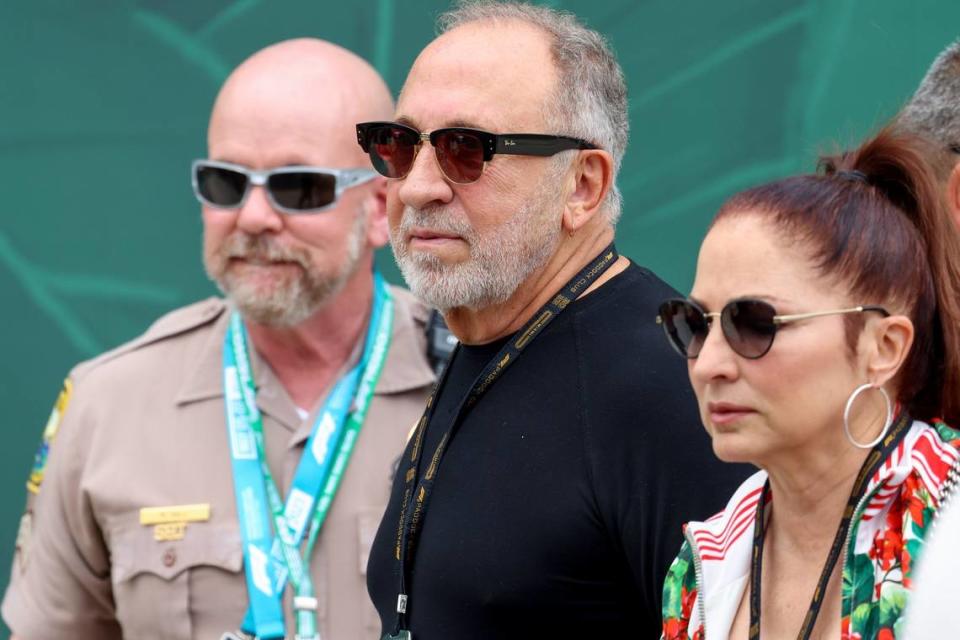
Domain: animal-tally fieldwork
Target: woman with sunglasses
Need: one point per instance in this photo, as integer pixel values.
(823, 341)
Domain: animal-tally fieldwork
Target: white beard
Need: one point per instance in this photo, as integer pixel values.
(500, 260)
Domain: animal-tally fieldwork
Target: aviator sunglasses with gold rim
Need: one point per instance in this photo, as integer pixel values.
(749, 325)
(461, 152)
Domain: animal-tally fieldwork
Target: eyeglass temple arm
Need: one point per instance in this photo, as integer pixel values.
(804, 316)
(816, 314)
(531, 144)
(351, 177)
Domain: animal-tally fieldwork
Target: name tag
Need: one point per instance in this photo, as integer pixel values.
(175, 514)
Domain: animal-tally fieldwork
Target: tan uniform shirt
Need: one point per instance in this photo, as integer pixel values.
(145, 427)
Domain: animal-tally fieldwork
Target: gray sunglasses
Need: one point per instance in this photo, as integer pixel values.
(292, 190)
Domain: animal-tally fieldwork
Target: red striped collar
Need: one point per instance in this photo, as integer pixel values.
(723, 542)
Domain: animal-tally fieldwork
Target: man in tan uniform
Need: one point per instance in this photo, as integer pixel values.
(132, 526)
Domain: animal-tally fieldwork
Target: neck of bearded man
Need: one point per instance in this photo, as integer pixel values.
(573, 253)
(307, 357)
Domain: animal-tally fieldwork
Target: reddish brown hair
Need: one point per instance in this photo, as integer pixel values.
(876, 221)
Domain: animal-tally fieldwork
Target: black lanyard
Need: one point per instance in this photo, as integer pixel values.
(874, 460)
(411, 519)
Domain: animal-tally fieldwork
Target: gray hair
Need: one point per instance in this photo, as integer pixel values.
(934, 110)
(590, 101)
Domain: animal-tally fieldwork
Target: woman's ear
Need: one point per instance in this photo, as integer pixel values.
(890, 340)
(592, 174)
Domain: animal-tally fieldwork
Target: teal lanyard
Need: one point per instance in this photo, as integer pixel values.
(270, 560)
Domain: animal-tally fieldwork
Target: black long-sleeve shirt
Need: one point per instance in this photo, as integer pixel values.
(558, 506)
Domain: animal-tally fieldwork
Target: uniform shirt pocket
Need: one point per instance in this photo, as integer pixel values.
(177, 589)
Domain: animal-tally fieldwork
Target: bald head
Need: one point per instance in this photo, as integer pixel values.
(295, 103)
(297, 97)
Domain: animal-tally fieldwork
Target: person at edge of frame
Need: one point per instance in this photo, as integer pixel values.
(934, 113)
(153, 516)
(542, 493)
(822, 336)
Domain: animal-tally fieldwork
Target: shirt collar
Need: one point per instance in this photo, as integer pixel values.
(405, 369)
(205, 378)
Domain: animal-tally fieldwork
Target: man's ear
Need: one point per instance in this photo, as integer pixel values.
(592, 175)
(953, 194)
(890, 342)
(375, 204)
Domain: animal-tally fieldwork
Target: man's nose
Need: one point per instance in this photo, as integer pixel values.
(257, 214)
(425, 185)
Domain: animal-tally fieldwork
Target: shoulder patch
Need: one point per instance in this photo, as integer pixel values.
(174, 323)
(49, 433)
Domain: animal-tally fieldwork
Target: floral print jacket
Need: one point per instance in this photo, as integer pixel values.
(707, 580)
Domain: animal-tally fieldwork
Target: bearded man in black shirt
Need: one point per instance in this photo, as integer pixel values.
(543, 492)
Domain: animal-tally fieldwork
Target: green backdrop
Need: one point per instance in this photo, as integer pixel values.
(103, 103)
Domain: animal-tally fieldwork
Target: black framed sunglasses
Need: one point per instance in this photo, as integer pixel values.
(292, 190)
(749, 325)
(461, 152)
